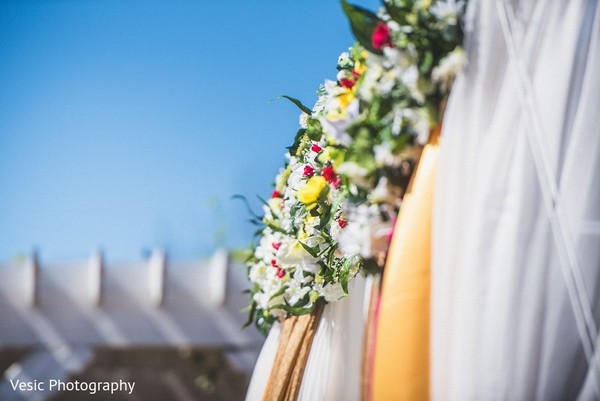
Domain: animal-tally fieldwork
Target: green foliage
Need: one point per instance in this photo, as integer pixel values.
(362, 23)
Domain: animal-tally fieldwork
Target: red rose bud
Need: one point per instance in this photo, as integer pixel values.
(274, 263)
(342, 223)
(316, 148)
(329, 174)
(381, 36)
(276, 194)
(309, 170)
(347, 83)
(280, 274)
(276, 245)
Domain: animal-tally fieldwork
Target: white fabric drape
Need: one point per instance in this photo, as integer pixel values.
(516, 229)
(333, 369)
(264, 364)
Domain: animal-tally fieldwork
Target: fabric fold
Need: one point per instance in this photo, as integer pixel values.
(401, 363)
(295, 341)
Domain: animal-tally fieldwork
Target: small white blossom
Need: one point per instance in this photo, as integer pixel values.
(356, 173)
(336, 129)
(333, 292)
(447, 11)
(444, 73)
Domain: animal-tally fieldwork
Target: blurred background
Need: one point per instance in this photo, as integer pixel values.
(125, 129)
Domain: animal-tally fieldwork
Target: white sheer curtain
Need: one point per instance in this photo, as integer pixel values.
(264, 364)
(516, 257)
(333, 369)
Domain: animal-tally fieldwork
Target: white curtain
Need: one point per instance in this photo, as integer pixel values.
(333, 369)
(516, 243)
(264, 364)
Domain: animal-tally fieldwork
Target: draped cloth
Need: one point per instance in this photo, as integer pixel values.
(401, 363)
(516, 226)
(264, 365)
(330, 364)
(295, 341)
(333, 371)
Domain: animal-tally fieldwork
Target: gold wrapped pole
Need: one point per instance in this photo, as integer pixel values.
(401, 361)
(297, 334)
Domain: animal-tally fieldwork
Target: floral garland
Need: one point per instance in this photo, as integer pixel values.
(334, 205)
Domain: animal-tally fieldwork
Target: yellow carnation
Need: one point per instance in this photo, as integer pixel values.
(310, 192)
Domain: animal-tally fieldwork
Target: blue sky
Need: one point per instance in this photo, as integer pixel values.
(128, 125)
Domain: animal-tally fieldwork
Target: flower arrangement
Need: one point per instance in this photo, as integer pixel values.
(333, 208)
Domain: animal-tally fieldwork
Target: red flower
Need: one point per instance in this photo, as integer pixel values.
(381, 36)
(329, 174)
(309, 170)
(276, 245)
(342, 223)
(276, 194)
(274, 263)
(347, 83)
(316, 148)
(280, 273)
(331, 177)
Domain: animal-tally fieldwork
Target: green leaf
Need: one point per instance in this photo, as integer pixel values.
(251, 315)
(313, 129)
(426, 62)
(277, 228)
(363, 23)
(297, 142)
(296, 311)
(394, 12)
(298, 103)
(314, 251)
(247, 204)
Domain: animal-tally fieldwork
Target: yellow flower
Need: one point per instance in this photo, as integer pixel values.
(332, 155)
(345, 99)
(359, 66)
(424, 4)
(310, 192)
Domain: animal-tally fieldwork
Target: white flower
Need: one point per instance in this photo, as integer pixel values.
(381, 193)
(354, 239)
(410, 77)
(258, 272)
(383, 155)
(370, 79)
(344, 60)
(296, 177)
(335, 231)
(399, 58)
(297, 288)
(302, 120)
(333, 292)
(291, 252)
(336, 128)
(356, 173)
(366, 233)
(419, 121)
(447, 11)
(444, 73)
(265, 250)
(308, 265)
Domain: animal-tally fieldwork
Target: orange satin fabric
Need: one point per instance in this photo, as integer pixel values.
(401, 361)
